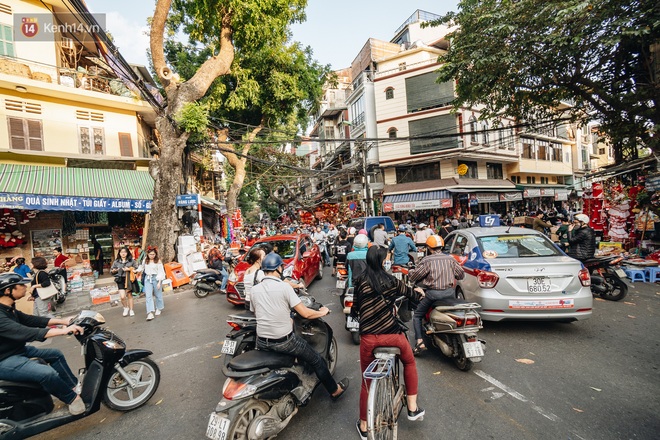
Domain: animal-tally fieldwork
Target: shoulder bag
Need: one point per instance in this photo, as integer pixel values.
(45, 292)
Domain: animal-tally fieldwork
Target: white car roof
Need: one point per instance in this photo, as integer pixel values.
(499, 230)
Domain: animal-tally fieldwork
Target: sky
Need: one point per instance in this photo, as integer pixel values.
(336, 29)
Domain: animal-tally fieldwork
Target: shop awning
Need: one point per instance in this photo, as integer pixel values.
(480, 185)
(74, 189)
(213, 204)
(417, 197)
(417, 200)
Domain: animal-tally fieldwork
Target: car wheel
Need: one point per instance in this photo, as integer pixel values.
(319, 276)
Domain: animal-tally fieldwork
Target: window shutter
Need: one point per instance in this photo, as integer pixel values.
(34, 135)
(17, 134)
(125, 145)
(443, 125)
(422, 92)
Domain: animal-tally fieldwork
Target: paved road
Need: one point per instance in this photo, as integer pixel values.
(596, 379)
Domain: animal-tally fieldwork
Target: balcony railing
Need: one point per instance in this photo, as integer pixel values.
(407, 67)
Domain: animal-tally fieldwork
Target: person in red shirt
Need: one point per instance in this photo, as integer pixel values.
(60, 258)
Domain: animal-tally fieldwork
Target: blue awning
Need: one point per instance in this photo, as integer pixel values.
(417, 196)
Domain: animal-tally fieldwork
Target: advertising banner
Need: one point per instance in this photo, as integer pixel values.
(72, 203)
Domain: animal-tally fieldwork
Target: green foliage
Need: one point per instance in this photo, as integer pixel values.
(525, 58)
(193, 118)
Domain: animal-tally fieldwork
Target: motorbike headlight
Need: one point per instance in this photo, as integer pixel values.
(288, 271)
(114, 345)
(233, 389)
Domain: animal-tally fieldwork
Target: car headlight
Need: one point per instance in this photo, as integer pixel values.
(232, 277)
(288, 271)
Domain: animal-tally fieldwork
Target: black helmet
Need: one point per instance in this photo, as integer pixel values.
(8, 280)
(271, 262)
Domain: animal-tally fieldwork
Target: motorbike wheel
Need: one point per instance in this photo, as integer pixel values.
(333, 356)
(61, 291)
(355, 336)
(320, 274)
(199, 293)
(460, 360)
(618, 291)
(242, 420)
(118, 395)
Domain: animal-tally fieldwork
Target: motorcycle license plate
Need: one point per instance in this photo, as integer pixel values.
(397, 275)
(621, 273)
(218, 427)
(341, 284)
(352, 323)
(539, 285)
(473, 349)
(420, 254)
(228, 347)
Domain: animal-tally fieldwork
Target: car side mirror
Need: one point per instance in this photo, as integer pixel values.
(306, 254)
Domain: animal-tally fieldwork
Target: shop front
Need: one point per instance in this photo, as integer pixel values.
(421, 206)
(543, 198)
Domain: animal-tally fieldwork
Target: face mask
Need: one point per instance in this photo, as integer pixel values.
(387, 265)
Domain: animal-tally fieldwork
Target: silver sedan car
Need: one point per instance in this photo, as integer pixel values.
(519, 274)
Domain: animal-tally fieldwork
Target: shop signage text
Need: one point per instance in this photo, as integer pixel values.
(510, 196)
(72, 203)
(487, 197)
(421, 204)
(187, 200)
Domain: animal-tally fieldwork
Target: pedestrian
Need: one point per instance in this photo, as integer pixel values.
(253, 274)
(380, 236)
(446, 228)
(41, 279)
(154, 275)
(539, 224)
(21, 268)
(97, 250)
(375, 292)
(463, 224)
(122, 268)
(60, 262)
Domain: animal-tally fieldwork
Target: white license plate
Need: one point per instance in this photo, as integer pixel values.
(352, 323)
(473, 349)
(420, 254)
(539, 285)
(228, 347)
(621, 273)
(341, 284)
(542, 304)
(218, 427)
(397, 275)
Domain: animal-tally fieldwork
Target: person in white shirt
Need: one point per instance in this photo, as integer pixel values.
(154, 275)
(253, 274)
(421, 235)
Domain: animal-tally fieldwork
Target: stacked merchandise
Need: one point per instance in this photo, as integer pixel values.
(103, 295)
(186, 245)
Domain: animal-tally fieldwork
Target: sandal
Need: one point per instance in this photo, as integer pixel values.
(419, 348)
(344, 386)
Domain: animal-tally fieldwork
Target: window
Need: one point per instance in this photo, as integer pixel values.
(23, 106)
(459, 245)
(7, 40)
(125, 145)
(531, 179)
(25, 134)
(472, 172)
(85, 115)
(418, 173)
(556, 152)
(567, 157)
(484, 132)
(473, 129)
(422, 92)
(357, 112)
(92, 140)
(515, 179)
(329, 132)
(528, 151)
(543, 153)
(389, 93)
(497, 135)
(444, 125)
(392, 133)
(544, 180)
(601, 151)
(494, 171)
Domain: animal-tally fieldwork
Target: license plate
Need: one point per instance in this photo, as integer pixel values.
(397, 275)
(218, 427)
(352, 323)
(621, 273)
(228, 347)
(542, 304)
(539, 285)
(341, 284)
(473, 349)
(420, 254)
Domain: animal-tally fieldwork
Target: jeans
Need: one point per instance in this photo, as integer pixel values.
(225, 278)
(425, 303)
(151, 289)
(56, 378)
(298, 347)
(367, 345)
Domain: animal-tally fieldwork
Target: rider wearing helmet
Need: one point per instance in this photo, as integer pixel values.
(437, 273)
(402, 244)
(272, 301)
(17, 361)
(581, 238)
(357, 259)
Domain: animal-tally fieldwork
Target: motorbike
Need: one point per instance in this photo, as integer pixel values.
(342, 275)
(206, 281)
(352, 324)
(58, 281)
(264, 389)
(122, 379)
(606, 278)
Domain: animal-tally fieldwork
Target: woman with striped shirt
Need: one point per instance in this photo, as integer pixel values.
(375, 292)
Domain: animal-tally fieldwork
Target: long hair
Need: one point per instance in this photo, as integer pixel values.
(129, 255)
(156, 259)
(375, 275)
(254, 255)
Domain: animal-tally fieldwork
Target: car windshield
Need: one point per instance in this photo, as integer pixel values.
(516, 246)
(285, 248)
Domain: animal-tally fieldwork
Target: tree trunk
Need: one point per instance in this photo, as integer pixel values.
(239, 167)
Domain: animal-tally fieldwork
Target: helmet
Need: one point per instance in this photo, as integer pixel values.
(422, 225)
(435, 241)
(360, 241)
(8, 280)
(351, 230)
(363, 232)
(402, 228)
(271, 262)
(584, 218)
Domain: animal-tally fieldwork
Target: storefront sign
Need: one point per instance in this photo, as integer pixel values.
(487, 197)
(547, 192)
(187, 200)
(72, 203)
(422, 204)
(561, 195)
(532, 192)
(511, 196)
(447, 203)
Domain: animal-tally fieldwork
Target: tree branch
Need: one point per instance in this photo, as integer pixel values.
(156, 40)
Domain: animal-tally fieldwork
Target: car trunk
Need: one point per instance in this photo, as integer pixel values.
(549, 276)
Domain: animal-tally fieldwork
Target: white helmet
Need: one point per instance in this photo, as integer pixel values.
(351, 230)
(584, 218)
(360, 241)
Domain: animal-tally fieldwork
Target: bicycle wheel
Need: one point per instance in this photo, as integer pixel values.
(381, 420)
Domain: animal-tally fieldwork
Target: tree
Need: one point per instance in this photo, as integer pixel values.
(225, 28)
(527, 59)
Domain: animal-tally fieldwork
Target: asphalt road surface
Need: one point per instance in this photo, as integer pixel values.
(595, 379)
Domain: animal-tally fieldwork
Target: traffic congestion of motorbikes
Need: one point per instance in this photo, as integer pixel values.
(538, 277)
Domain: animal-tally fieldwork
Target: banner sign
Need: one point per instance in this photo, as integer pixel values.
(511, 196)
(487, 197)
(561, 194)
(532, 192)
(187, 200)
(421, 204)
(72, 203)
(547, 192)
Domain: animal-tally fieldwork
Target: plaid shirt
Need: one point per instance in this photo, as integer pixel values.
(437, 272)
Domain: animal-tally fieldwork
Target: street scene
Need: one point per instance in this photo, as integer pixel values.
(247, 220)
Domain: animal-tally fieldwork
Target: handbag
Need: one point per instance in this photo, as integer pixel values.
(46, 292)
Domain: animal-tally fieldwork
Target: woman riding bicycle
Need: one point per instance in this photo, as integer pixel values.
(375, 293)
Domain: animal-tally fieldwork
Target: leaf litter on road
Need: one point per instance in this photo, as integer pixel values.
(525, 361)
(632, 317)
(596, 389)
(578, 410)
(629, 303)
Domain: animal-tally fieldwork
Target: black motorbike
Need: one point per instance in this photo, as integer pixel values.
(264, 389)
(606, 278)
(58, 280)
(206, 281)
(122, 379)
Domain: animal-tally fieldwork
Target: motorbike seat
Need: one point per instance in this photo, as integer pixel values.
(257, 359)
(244, 316)
(10, 383)
(387, 350)
(209, 271)
(447, 302)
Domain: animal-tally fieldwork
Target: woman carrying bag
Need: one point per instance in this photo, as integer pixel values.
(41, 288)
(122, 268)
(154, 275)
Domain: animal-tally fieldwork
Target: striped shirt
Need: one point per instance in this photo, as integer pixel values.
(375, 311)
(437, 272)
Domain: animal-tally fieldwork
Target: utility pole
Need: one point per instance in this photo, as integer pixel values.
(367, 192)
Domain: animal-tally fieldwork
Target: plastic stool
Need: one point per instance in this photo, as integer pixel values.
(653, 274)
(636, 275)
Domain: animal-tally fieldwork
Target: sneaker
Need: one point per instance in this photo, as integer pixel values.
(131, 313)
(77, 407)
(416, 415)
(78, 388)
(363, 434)
(157, 312)
(150, 316)
(125, 312)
